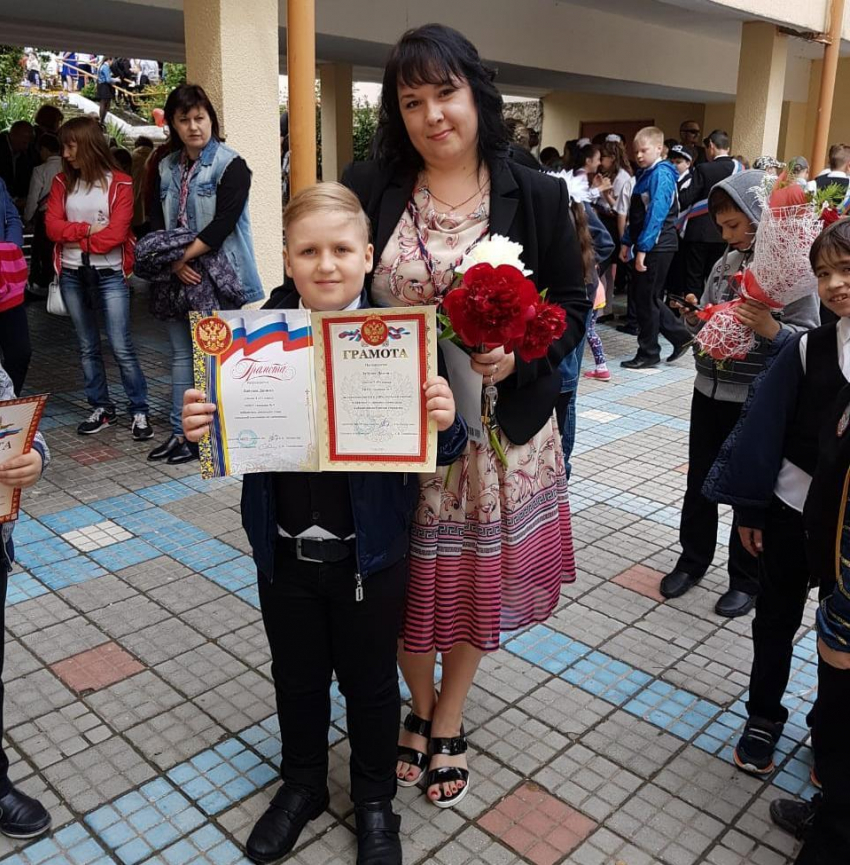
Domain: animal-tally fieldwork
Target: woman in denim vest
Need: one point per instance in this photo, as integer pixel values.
(202, 185)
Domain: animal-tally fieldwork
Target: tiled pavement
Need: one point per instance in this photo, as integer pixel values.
(139, 705)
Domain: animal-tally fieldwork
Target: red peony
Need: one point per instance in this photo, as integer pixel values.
(548, 324)
(830, 215)
(492, 306)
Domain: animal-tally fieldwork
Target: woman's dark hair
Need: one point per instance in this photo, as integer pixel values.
(436, 54)
(183, 99)
(570, 151)
(616, 150)
(583, 154)
(550, 155)
(831, 243)
(585, 241)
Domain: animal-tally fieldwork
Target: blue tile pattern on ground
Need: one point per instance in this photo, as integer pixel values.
(239, 573)
(44, 552)
(170, 491)
(204, 845)
(72, 518)
(606, 677)
(68, 573)
(23, 587)
(125, 554)
(71, 845)
(672, 709)
(144, 821)
(548, 649)
(124, 505)
(207, 554)
(219, 777)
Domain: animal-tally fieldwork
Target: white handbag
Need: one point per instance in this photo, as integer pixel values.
(55, 304)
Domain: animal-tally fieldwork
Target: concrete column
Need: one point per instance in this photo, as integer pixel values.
(337, 119)
(234, 57)
(761, 87)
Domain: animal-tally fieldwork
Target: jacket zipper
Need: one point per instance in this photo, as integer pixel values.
(358, 576)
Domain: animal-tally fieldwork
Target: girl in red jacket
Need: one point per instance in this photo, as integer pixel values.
(88, 217)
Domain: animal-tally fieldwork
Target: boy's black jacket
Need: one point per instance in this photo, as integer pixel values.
(382, 502)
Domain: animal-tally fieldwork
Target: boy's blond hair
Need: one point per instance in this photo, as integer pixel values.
(327, 197)
(651, 134)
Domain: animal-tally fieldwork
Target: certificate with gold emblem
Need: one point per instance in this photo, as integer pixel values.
(257, 367)
(371, 365)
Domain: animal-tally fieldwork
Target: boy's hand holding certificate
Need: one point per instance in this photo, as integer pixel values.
(321, 391)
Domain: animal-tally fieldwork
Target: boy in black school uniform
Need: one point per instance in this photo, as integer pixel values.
(331, 555)
(651, 232)
(823, 822)
(764, 471)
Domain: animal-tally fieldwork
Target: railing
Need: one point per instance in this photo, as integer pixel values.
(131, 96)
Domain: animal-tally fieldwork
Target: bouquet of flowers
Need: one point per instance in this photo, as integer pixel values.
(493, 303)
(779, 273)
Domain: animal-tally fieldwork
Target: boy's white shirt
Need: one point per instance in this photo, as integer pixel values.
(792, 483)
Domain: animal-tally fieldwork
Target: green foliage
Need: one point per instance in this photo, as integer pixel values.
(113, 130)
(89, 89)
(17, 106)
(365, 119)
(10, 68)
(173, 75)
(832, 195)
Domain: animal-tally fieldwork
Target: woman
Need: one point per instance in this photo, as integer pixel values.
(105, 92)
(491, 545)
(202, 185)
(14, 327)
(88, 217)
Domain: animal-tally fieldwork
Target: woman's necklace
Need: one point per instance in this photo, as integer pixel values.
(453, 208)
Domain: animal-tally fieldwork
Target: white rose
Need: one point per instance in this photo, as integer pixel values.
(495, 251)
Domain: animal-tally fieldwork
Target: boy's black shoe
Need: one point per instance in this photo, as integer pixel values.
(734, 603)
(793, 816)
(22, 816)
(378, 842)
(640, 363)
(161, 451)
(678, 351)
(277, 831)
(676, 583)
(142, 429)
(754, 751)
(630, 329)
(99, 419)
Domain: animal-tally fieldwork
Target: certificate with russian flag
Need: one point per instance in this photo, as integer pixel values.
(257, 366)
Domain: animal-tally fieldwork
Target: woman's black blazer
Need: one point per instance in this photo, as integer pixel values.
(529, 208)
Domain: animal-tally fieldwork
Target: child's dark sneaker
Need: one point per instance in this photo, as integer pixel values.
(142, 430)
(754, 751)
(99, 419)
(794, 816)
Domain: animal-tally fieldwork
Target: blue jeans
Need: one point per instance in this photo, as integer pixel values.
(182, 374)
(570, 369)
(113, 301)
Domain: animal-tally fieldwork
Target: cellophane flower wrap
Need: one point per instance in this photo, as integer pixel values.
(778, 274)
(493, 303)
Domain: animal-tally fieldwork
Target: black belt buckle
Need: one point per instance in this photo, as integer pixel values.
(299, 550)
(324, 550)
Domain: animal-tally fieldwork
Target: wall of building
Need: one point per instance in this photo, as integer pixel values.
(839, 129)
(564, 112)
(720, 115)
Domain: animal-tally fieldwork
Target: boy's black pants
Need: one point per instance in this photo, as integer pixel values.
(653, 315)
(829, 841)
(315, 627)
(699, 259)
(711, 422)
(784, 587)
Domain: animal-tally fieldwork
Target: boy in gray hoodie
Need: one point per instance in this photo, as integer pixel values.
(720, 390)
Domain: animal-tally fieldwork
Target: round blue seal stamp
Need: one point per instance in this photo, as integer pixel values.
(247, 438)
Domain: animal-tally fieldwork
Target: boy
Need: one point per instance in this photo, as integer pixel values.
(719, 392)
(764, 471)
(20, 815)
(652, 232)
(702, 244)
(317, 536)
(823, 822)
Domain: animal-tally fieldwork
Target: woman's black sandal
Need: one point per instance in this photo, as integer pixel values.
(446, 774)
(417, 759)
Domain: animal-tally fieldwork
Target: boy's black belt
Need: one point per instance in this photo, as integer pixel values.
(327, 551)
